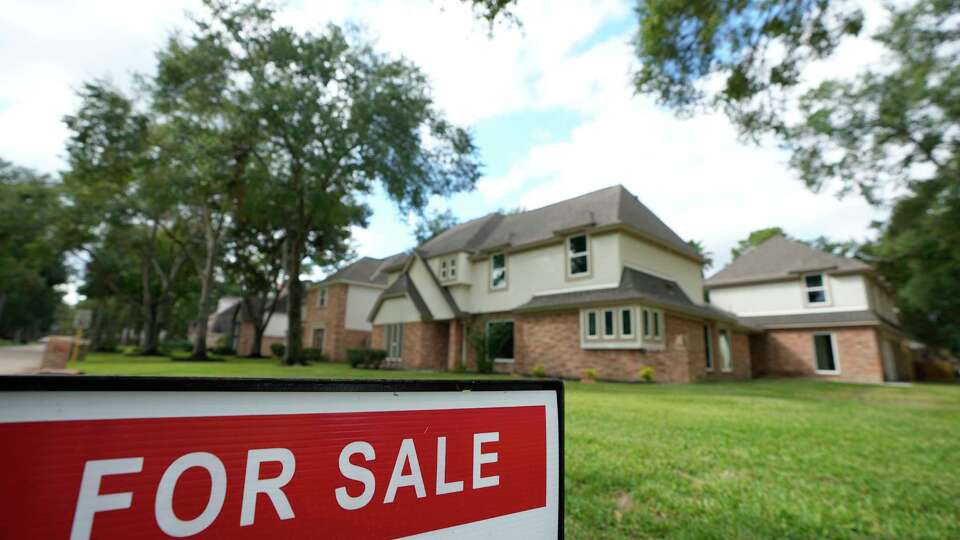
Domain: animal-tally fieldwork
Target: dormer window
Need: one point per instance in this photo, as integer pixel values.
(578, 256)
(816, 289)
(498, 271)
(448, 269)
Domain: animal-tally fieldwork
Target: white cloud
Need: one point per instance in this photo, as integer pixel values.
(694, 174)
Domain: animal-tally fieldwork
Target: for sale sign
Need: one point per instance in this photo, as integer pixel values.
(212, 458)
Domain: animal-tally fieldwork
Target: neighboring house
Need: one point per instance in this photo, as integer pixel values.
(236, 326)
(822, 315)
(597, 282)
(213, 335)
(335, 310)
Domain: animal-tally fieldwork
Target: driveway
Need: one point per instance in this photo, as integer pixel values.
(20, 358)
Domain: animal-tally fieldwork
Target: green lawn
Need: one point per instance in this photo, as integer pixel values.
(760, 459)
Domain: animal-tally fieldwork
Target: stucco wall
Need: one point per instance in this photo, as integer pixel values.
(396, 310)
(846, 293)
(360, 301)
(655, 260)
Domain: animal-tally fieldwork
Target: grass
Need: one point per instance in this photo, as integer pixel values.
(759, 459)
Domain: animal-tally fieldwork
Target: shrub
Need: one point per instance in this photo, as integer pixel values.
(312, 354)
(176, 345)
(647, 374)
(590, 374)
(459, 367)
(366, 358)
(108, 347)
(278, 349)
(539, 371)
(223, 350)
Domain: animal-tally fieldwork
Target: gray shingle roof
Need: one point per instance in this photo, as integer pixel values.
(781, 258)
(363, 270)
(813, 319)
(403, 285)
(610, 206)
(634, 285)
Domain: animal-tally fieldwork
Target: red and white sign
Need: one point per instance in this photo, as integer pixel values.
(310, 460)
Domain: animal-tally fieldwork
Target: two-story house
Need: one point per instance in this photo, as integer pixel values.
(595, 282)
(335, 310)
(821, 315)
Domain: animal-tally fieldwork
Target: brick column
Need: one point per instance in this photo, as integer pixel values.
(453, 344)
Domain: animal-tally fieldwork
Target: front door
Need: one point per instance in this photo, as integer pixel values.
(317, 342)
(889, 360)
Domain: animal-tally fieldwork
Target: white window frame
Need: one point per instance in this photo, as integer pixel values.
(708, 345)
(633, 322)
(586, 324)
(452, 268)
(322, 297)
(506, 277)
(394, 336)
(603, 326)
(443, 270)
(570, 254)
(514, 326)
(807, 289)
(834, 349)
(726, 360)
(651, 331)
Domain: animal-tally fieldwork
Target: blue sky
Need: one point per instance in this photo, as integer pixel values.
(550, 105)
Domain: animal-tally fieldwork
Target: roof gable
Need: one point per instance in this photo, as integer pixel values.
(782, 258)
(610, 206)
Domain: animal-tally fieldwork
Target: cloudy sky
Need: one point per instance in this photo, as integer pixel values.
(549, 104)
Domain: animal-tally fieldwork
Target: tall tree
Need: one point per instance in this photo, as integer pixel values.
(118, 178)
(754, 239)
(336, 118)
(32, 261)
(209, 146)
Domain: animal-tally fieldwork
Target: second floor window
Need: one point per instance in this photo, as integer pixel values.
(578, 263)
(452, 268)
(816, 289)
(322, 297)
(443, 270)
(498, 271)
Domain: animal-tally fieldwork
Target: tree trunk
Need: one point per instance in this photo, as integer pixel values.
(148, 338)
(257, 341)
(206, 286)
(294, 350)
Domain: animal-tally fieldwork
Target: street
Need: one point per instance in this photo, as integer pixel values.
(20, 358)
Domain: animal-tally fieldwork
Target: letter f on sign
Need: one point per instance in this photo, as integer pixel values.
(90, 501)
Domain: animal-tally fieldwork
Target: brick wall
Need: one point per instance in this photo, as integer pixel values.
(245, 341)
(425, 345)
(332, 316)
(553, 340)
(790, 353)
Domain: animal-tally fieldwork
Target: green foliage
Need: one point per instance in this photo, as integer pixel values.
(683, 44)
(919, 254)
(223, 350)
(539, 371)
(590, 374)
(175, 345)
(702, 251)
(430, 226)
(278, 349)
(647, 374)
(32, 251)
(755, 239)
(485, 343)
(366, 358)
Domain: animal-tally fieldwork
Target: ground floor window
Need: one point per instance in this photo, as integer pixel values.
(825, 348)
(500, 340)
(726, 354)
(708, 346)
(316, 340)
(394, 341)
